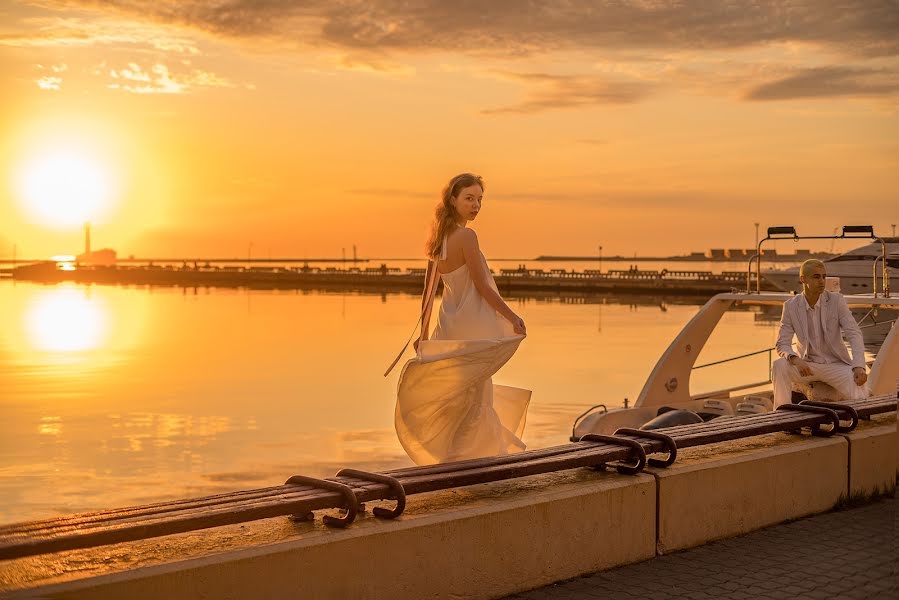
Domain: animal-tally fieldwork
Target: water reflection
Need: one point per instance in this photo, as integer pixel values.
(194, 393)
(50, 426)
(68, 330)
(66, 320)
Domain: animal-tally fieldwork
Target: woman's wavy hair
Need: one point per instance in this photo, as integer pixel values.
(445, 216)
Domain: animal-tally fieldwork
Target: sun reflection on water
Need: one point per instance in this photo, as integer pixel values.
(50, 426)
(66, 320)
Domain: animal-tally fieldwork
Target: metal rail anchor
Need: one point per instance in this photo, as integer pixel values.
(618, 441)
(399, 494)
(670, 445)
(853, 414)
(346, 491)
(816, 428)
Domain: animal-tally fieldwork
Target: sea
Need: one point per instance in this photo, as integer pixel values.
(113, 396)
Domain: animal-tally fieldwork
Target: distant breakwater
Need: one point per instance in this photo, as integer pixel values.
(683, 282)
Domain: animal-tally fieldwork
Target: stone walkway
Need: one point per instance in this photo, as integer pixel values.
(849, 554)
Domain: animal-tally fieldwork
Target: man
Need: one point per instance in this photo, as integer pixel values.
(818, 319)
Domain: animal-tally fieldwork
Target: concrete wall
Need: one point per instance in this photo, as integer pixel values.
(872, 459)
(716, 498)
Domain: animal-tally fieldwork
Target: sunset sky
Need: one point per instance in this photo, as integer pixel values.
(299, 128)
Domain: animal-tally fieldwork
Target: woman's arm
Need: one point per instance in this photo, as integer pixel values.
(479, 276)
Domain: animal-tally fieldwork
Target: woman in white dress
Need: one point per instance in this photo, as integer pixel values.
(447, 406)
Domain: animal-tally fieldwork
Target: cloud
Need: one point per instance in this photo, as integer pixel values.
(159, 80)
(56, 31)
(830, 81)
(571, 91)
(646, 43)
(49, 83)
(859, 27)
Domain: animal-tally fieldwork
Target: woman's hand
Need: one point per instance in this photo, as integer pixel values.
(518, 326)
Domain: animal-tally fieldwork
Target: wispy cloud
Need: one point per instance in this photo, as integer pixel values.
(158, 79)
(861, 27)
(49, 83)
(653, 39)
(830, 81)
(58, 31)
(547, 92)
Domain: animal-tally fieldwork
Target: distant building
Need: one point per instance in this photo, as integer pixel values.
(735, 253)
(104, 256)
(716, 254)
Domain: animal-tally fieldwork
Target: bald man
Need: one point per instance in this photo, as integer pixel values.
(819, 319)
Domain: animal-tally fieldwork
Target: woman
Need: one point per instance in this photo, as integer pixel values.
(447, 405)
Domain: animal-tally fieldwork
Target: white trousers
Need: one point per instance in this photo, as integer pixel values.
(837, 375)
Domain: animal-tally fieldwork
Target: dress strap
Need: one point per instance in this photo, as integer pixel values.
(432, 278)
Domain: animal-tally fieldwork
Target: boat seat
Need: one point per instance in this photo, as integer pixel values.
(817, 391)
(717, 407)
(765, 402)
(751, 408)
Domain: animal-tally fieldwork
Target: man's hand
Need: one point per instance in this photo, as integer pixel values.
(860, 375)
(800, 364)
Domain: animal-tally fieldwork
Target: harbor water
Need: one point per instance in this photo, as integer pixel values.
(113, 396)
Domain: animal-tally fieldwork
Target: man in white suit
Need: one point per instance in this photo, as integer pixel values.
(818, 319)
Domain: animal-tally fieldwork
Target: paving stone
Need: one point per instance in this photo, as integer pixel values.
(848, 554)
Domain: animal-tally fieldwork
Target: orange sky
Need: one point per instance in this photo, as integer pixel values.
(301, 130)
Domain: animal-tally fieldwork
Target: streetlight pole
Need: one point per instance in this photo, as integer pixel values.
(756, 235)
(894, 229)
(600, 257)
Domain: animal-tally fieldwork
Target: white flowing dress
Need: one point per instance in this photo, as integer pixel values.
(448, 407)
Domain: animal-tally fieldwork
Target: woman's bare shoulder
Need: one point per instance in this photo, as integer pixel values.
(463, 236)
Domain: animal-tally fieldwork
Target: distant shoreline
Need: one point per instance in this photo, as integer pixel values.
(541, 258)
(767, 258)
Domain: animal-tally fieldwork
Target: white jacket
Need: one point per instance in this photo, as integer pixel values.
(836, 320)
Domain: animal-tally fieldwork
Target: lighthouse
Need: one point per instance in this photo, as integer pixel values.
(104, 256)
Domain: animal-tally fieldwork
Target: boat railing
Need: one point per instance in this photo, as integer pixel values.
(769, 351)
(789, 233)
(733, 358)
(886, 278)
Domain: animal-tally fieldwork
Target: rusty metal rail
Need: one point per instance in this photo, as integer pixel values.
(349, 488)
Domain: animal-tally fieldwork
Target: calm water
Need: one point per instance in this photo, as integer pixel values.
(112, 396)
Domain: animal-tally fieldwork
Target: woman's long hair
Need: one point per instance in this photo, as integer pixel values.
(446, 217)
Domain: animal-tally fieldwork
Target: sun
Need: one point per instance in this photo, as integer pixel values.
(65, 188)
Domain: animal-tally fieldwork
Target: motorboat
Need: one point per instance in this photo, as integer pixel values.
(667, 400)
(854, 268)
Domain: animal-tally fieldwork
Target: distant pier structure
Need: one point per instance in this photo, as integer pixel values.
(384, 278)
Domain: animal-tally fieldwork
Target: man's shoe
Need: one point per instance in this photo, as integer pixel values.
(797, 397)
